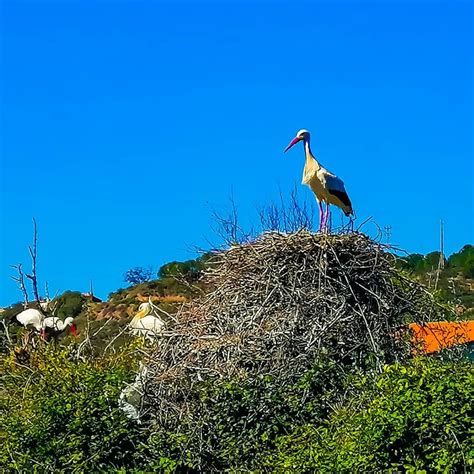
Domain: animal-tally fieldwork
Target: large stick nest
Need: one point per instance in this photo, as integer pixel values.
(276, 304)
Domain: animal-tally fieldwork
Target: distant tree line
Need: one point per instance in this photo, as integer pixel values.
(461, 262)
(189, 269)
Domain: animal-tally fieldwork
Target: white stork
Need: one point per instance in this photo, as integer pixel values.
(31, 318)
(326, 186)
(145, 323)
(56, 325)
(130, 397)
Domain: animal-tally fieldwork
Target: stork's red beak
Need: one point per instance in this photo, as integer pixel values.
(293, 142)
(73, 330)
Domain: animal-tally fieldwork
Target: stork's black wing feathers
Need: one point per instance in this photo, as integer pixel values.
(336, 187)
(343, 197)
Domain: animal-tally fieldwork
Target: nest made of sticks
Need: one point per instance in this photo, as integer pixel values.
(280, 301)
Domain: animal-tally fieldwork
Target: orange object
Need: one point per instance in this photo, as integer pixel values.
(435, 336)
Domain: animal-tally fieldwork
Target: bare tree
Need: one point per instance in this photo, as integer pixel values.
(34, 254)
(33, 277)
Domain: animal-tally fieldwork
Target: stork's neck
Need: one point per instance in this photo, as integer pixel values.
(61, 325)
(310, 159)
(140, 315)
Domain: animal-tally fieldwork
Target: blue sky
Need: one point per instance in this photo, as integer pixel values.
(125, 123)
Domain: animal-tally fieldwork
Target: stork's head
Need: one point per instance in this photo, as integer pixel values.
(301, 135)
(143, 310)
(70, 322)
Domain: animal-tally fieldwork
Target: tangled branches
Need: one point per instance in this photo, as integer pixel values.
(277, 304)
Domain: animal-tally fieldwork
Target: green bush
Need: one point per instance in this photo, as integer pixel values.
(230, 423)
(410, 418)
(61, 413)
(415, 418)
(69, 304)
(190, 269)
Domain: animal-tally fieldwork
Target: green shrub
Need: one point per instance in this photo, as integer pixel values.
(61, 413)
(230, 423)
(191, 269)
(415, 418)
(69, 304)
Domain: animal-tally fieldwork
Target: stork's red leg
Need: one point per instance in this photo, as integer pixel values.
(323, 222)
(321, 216)
(325, 219)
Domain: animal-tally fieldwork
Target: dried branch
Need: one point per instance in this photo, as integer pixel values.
(226, 226)
(287, 215)
(34, 254)
(278, 303)
(6, 332)
(20, 279)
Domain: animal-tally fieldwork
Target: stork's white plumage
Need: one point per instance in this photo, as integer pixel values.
(145, 323)
(57, 325)
(31, 318)
(327, 187)
(130, 397)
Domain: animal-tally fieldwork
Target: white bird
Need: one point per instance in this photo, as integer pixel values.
(31, 318)
(325, 185)
(57, 325)
(130, 397)
(146, 324)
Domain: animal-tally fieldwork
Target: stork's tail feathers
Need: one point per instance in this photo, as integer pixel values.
(349, 212)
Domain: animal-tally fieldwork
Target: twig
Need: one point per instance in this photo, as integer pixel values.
(7, 334)
(21, 283)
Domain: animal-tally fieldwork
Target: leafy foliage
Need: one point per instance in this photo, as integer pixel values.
(234, 421)
(189, 269)
(69, 304)
(454, 283)
(59, 412)
(412, 418)
(419, 263)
